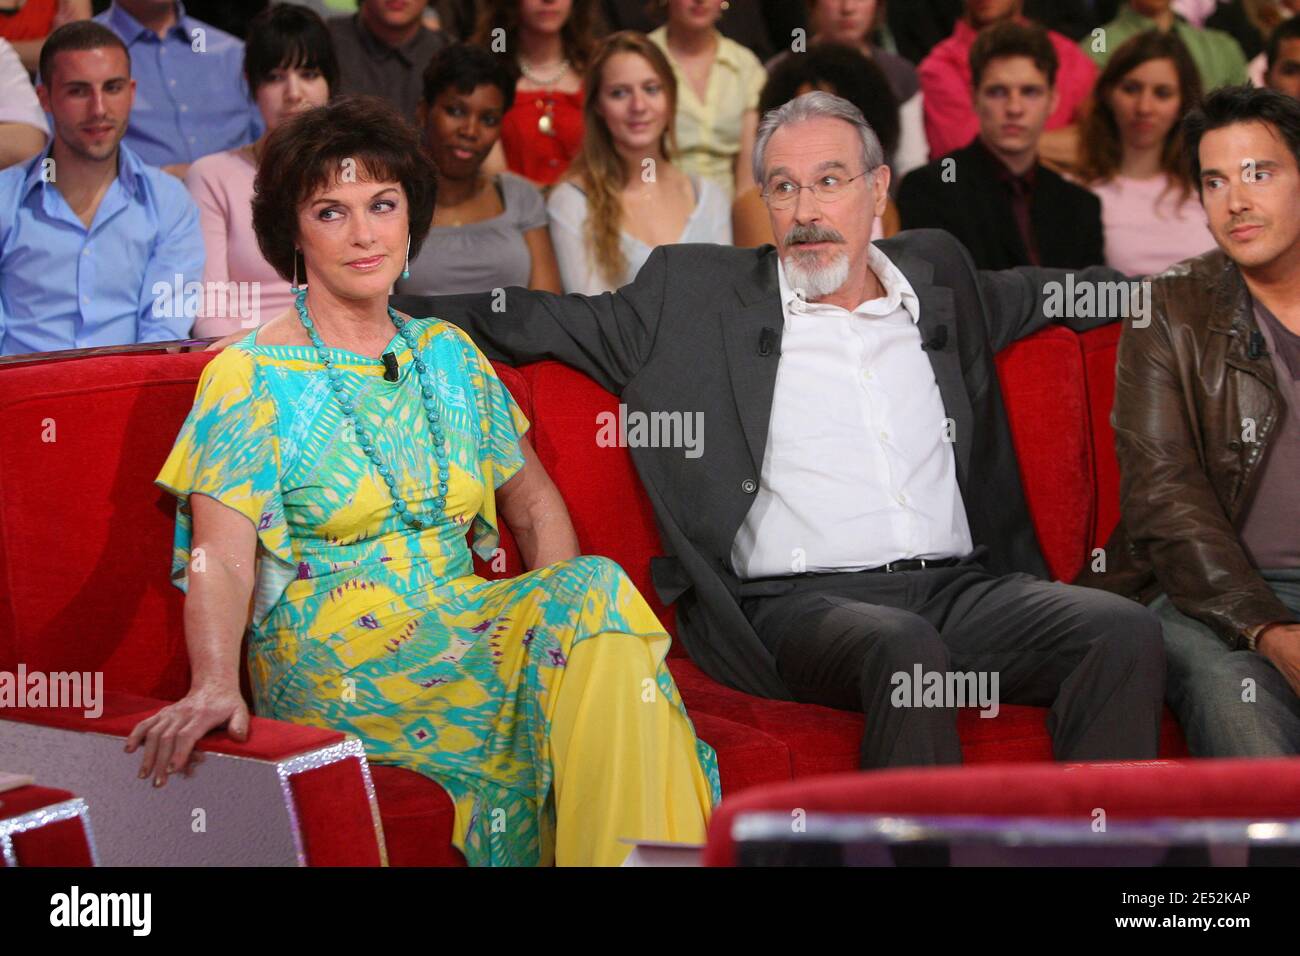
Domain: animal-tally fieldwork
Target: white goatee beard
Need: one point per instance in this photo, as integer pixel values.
(816, 281)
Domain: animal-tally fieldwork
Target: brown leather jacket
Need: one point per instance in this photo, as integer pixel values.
(1188, 396)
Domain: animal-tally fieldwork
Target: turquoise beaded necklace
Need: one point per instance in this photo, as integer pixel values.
(427, 392)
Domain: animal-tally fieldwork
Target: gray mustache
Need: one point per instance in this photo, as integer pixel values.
(812, 234)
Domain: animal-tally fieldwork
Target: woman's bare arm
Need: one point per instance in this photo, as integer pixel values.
(535, 513)
(545, 273)
(745, 158)
(217, 609)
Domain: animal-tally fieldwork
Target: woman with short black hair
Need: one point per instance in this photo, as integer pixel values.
(350, 449)
(289, 66)
(489, 232)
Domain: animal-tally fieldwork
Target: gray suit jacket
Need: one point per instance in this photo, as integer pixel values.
(699, 329)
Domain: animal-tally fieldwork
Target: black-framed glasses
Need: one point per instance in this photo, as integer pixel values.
(783, 193)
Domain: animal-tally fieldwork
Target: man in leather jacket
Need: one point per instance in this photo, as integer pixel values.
(1207, 431)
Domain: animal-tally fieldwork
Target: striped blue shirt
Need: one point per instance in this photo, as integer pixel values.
(190, 94)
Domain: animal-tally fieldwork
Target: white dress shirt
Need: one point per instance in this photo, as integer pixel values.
(859, 468)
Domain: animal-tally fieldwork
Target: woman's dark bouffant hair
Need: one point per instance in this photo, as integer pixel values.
(307, 152)
(845, 72)
(466, 68)
(287, 35)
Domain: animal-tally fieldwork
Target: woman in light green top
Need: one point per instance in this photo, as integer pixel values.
(720, 82)
(1217, 55)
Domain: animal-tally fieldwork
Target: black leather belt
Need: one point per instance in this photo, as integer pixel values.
(914, 564)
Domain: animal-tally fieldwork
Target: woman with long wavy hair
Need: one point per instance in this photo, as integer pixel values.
(1131, 155)
(623, 196)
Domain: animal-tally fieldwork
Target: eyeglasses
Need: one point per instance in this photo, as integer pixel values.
(784, 193)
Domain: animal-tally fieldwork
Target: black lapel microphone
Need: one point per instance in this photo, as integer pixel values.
(390, 366)
(1256, 347)
(937, 340)
(766, 341)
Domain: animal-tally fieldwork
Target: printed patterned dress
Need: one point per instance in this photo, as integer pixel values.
(364, 625)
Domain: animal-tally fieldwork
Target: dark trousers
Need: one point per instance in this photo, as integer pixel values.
(851, 640)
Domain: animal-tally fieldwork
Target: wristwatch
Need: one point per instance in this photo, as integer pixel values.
(1251, 635)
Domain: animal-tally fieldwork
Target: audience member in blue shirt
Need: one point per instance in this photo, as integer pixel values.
(190, 95)
(96, 248)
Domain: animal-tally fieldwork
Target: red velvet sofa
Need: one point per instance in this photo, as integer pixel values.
(85, 541)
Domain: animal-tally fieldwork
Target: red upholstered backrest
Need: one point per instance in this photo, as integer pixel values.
(85, 535)
(611, 514)
(1047, 404)
(1100, 350)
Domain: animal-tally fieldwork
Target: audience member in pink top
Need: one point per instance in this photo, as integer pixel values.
(950, 121)
(1132, 156)
(290, 66)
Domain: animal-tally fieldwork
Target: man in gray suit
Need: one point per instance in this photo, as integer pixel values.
(854, 533)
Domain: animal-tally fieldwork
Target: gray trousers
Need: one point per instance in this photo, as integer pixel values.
(851, 640)
(1230, 703)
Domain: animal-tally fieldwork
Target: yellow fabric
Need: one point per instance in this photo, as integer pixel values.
(708, 130)
(624, 757)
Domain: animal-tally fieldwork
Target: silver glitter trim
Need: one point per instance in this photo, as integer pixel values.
(41, 817)
(349, 749)
(766, 825)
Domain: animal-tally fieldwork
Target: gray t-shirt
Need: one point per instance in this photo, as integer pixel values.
(482, 256)
(1270, 532)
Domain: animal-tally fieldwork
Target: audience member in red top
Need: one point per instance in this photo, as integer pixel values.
(26, 25)
(950, 120)
(549, 43)
(1132, 156)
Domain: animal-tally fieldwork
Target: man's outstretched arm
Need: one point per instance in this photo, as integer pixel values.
(606, 336)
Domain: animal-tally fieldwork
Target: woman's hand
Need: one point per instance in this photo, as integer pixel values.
(169, 736)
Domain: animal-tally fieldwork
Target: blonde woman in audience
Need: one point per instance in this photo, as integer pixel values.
(489, 231)
(290, 67)
(624, 195)
(718, 83)
(1131, 156)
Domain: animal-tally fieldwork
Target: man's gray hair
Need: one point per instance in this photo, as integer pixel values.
(816, 105)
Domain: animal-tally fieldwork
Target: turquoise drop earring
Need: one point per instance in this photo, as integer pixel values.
(406, 269)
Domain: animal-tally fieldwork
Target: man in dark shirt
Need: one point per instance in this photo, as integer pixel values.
(383, 49)
(994, 195)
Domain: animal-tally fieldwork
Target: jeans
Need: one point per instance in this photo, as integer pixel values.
(1230, 703)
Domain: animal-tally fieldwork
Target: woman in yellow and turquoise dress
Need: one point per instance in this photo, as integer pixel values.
(541, 703)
